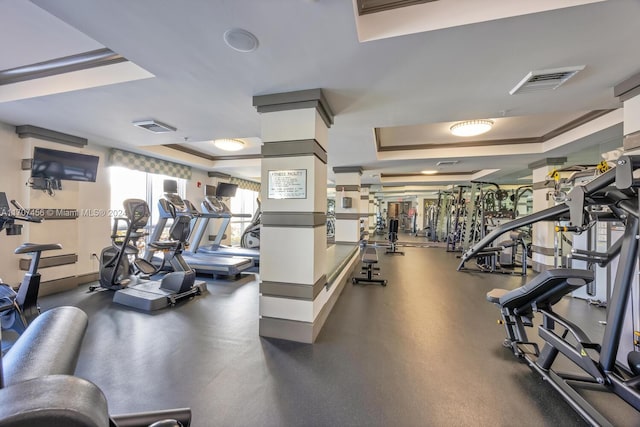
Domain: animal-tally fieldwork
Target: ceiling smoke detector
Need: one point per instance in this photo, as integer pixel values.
(545, 79)
(154, 126)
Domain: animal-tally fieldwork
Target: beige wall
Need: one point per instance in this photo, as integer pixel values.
(81, 236)
(11, 183)
(87, 234)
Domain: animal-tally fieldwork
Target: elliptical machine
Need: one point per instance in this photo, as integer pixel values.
(251, 235)
(17, 309)
(125, 277)
(116, 269)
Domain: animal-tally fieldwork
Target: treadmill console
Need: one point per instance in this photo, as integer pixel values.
(175, 200)
(215, 205)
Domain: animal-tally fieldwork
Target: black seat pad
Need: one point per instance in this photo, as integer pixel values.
(370, 256)
(49, 346)
(546, 288)
(164, 244)
(26, 248)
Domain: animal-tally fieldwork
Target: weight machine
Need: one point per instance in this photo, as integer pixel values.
(614, 364)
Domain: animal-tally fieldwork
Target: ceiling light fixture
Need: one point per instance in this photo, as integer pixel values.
(229, 144)
(429, 172)
(471, 127)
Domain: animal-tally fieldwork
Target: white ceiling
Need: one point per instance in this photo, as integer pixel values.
(416, 81)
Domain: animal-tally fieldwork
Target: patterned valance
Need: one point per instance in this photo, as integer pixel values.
(245, 184)
(143, 163)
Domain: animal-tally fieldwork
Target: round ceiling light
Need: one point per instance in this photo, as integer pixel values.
(228, 144)
(240, 40)
(471, 127)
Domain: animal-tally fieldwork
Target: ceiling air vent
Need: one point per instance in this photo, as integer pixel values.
(545, 79)
(154, 126)
(446, 163)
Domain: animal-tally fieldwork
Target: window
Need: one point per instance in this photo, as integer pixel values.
(126, 184)
(243, 207)
(133, 184)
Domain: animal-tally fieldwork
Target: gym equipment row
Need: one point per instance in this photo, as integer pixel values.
(37, 382)
(612, 365)
(214, 207)
(212, 260)
(134, 291)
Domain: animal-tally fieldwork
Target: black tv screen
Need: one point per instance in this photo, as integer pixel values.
(59, 165)
(170, 186)
(226, 190)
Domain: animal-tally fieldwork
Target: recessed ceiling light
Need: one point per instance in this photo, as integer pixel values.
(471, 127)
(429, 172)
(240, 40)
(229, 144)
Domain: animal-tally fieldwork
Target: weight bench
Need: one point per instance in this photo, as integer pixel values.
(542, 292)
(49, 346)
(393, 238)
(38, 387)
(369, 260)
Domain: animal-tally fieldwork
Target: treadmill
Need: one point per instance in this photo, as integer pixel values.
(219, 266)
(214, 207)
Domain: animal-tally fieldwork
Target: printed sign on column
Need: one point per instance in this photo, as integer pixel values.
(288, 184)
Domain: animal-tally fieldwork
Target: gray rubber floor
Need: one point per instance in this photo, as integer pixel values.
(424, 351)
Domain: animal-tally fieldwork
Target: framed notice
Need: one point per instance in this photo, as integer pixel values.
(288, 184)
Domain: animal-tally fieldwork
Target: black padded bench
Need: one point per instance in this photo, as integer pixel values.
(39, 387)
(542, 292)
(369, 260)
(49, 346)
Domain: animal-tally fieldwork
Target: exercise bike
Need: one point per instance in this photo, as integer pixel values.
(19, 308)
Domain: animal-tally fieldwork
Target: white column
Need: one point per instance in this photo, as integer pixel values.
(364, 208)
(543, 232)
(347, 204)
(293, 240)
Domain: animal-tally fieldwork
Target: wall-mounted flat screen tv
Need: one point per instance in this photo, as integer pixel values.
(59, 165)
(226, 190)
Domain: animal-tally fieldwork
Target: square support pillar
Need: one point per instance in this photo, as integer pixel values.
(543, 238)
(348, 204)
(294, 298)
